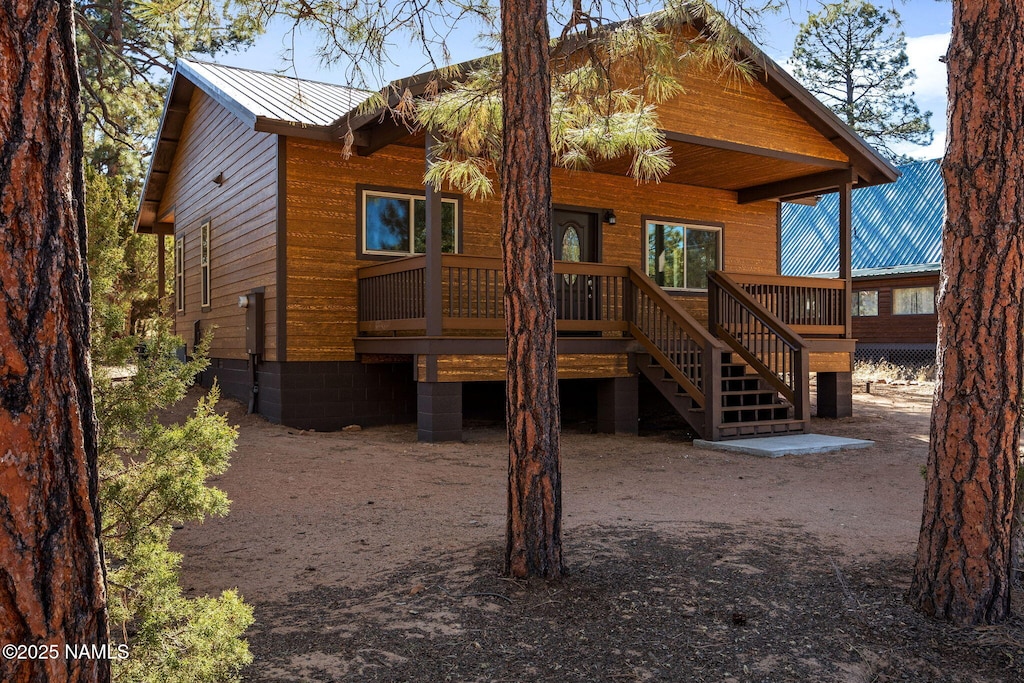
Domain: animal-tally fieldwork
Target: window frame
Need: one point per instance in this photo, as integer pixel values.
(179, 273)
(645, 223)
(856, 305)
(898, 289)
(362, 191)
(205, 266)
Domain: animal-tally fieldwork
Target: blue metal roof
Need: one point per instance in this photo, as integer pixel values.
(899, 224)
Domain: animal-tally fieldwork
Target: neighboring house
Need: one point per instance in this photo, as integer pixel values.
(356, 312)
(897, 244)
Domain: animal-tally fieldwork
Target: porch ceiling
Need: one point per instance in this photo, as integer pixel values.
(716, 164)
(726, 169)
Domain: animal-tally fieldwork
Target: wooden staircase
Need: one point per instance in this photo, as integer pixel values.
(748, 405)
(744, 375)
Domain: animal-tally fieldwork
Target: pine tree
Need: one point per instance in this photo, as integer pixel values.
(853, 57)
(963, 568)
(51, 561)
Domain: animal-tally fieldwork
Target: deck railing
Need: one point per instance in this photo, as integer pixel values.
(391, 295)
(759, 317)
(684, 348)
(771, 347)
(808, 305)
(589, 297)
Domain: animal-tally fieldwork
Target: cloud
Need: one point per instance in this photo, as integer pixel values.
(929, 89)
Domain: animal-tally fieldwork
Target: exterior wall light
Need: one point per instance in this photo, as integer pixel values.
(609, 217)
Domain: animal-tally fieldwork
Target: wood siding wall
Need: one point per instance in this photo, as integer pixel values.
(742, 112)
(886, 328)
(243, 216)
(321, 231)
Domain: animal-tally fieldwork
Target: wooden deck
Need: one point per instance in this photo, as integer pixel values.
(765, 334)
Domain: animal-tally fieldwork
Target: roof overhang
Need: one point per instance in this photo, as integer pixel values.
(184, 81)
(781, 176)
(776, 175)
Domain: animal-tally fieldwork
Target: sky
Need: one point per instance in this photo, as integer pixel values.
(925, 22)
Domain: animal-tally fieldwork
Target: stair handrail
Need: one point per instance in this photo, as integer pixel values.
(701, 381)
(795, 387)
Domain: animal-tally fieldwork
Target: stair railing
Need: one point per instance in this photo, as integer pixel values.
(680, 344)
(775, 351)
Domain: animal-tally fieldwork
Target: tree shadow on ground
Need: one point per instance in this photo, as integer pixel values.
(719, 603)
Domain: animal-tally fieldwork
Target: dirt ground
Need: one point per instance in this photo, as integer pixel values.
(369, 556)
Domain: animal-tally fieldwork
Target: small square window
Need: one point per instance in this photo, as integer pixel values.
(865, 303)
(913, 300)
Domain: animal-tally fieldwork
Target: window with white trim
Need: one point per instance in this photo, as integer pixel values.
(179, 273)
(913, 300)
(679, 256)
(395, 224)
(865, 303)
(204, 263)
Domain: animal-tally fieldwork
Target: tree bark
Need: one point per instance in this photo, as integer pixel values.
(51, 572)
(533, 539)
(962, 573)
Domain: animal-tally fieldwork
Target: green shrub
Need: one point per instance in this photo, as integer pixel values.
(153, 477)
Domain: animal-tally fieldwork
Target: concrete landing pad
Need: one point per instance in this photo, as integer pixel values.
(790, 444)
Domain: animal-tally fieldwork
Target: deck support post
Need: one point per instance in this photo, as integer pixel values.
(438, 411)
(161, 270)
(835, 394)
(835, 389)
(432, 277)
(846, 251)
(618, 405)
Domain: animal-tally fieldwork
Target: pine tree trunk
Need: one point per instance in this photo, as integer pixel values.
(963, 564)
(51, 575)
(533, 540)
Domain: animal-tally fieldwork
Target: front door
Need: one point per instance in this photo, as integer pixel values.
(576, 238)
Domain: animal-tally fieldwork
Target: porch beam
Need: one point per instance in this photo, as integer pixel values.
(373, 138)
(797, 187)
(751, 149)
(494, 346)
(432, 275)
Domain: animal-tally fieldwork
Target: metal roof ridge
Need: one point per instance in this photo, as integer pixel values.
(275, 74)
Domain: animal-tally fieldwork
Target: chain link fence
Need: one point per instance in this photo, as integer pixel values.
(904, 355)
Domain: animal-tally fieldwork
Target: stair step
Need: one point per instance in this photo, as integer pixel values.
(751, 383)
(764, 427)
(753, 414)
(670, 389)
(757, 406)
(751, 399)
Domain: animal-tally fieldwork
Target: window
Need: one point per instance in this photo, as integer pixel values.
(395, 224)
(680, 256)
(204, 262)
(865, 303)
(179, 274)
(913, 300)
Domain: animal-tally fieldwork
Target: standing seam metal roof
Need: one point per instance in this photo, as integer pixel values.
(899, 224)
(276, 97)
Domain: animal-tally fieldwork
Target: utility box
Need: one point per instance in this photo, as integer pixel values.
(253, 304)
